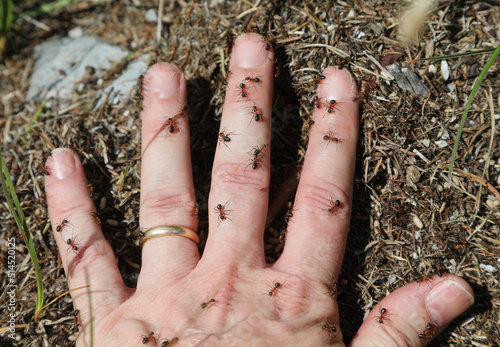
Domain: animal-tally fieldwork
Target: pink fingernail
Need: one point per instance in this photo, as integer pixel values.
(337, 84)
(164, 80)
(446, 301)
(62, 162)
(249, 51)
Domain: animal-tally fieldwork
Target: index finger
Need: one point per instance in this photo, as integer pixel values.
(316, 239)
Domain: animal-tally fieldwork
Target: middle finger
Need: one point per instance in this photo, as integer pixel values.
(241, 172)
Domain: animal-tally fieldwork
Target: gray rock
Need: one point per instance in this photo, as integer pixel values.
(408, 80)
(61, 62)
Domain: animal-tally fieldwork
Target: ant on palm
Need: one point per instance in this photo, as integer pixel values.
(383, 316)
(170, 342)
(207, 304)
(329, 328)
(149, 337)
(274, 290)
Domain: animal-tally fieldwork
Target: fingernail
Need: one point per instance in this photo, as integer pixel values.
(338, 84)
(164, 80)
(249, 51)
(446, 301)
(62, 162)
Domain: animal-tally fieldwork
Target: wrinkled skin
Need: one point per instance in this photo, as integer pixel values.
(248, 308)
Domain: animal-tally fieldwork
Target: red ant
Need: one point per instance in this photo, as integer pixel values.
(221, 210)
(253, 79)
(330, 328)
(45, 170)
(139, 91)
(183, 112)
(170, 342)
(310, 123)
(317, 80)
(207, 304)
(274, 290)
(333, 290)
(330, 138)
(383, 315)
(150, 337)
(96, 217)
(171, 125)
(267, 43)
(224, 137)
(153, 62)
(282, 236)
(72, 245)
(331, 106)
(255, 162)
(316, 102)
(334, 206)
(76, 318)
(427, 333)
(257, 114)
(259, 151)
(243, 89)
(61, 225)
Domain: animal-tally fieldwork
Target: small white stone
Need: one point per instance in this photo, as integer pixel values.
(415, 255)
(432, 68)
(488, 268)
(151, 16)
(426, 142)
(445, 69)
(441, 143)
(418, 222)
(76, 33)
(417, 235)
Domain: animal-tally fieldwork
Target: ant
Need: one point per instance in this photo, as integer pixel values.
(222, 211)
(330, 328)
(96, 217)
(76, 318)
(259, 151)
(243, 89)
(91, 189)
(274, 291)
(224, 137)
(183, 112)
(289, 214)
(427, 333)
(440, 270)
(267, 43)
(333, 290)
(331, 106)
(282, 236)
(334, 206)
(72, 245)
(150, 337)
(170, 342)
(257, 114)
(255, 162)
(170, 124)
(61, 225)
(253, 79)
(317, 80)
(153, 62)
(310, 123)
(207, 304)
(316, 102)
(383, 315)
(330, 138)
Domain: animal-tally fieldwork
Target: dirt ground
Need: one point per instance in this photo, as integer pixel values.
(407, 222)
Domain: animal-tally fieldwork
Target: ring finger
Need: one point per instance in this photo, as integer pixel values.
(167, 193)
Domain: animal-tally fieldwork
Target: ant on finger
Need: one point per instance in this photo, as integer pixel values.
(224, 137)
(256, 114)
(222, 212)
(183, 112)
(171, 124)
(329, 137)
(73, 246)
(64, 222)
(329, 328)
(253, 80)
(96, 217)
(170, 342)
(256, 162)
(267, 43)
(243, 90)
(258, 151)
(428, 332)
(334, 206)
(383, 316)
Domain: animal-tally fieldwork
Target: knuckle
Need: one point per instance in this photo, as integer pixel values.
(239, 175)
(162, 204)
(322, 195)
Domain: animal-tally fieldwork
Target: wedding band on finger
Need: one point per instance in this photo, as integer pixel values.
(169, 230)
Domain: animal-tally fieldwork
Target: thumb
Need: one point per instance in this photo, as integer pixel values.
(414, 314)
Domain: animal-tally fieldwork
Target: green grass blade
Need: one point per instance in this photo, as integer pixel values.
(480, 78)
(6, 8)
(455, 55)
(17, 212)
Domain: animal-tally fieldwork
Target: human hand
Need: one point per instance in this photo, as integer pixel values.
(249, 308)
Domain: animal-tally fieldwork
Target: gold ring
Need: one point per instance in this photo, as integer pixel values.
(169, 230)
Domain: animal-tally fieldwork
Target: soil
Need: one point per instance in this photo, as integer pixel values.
(407, 223)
